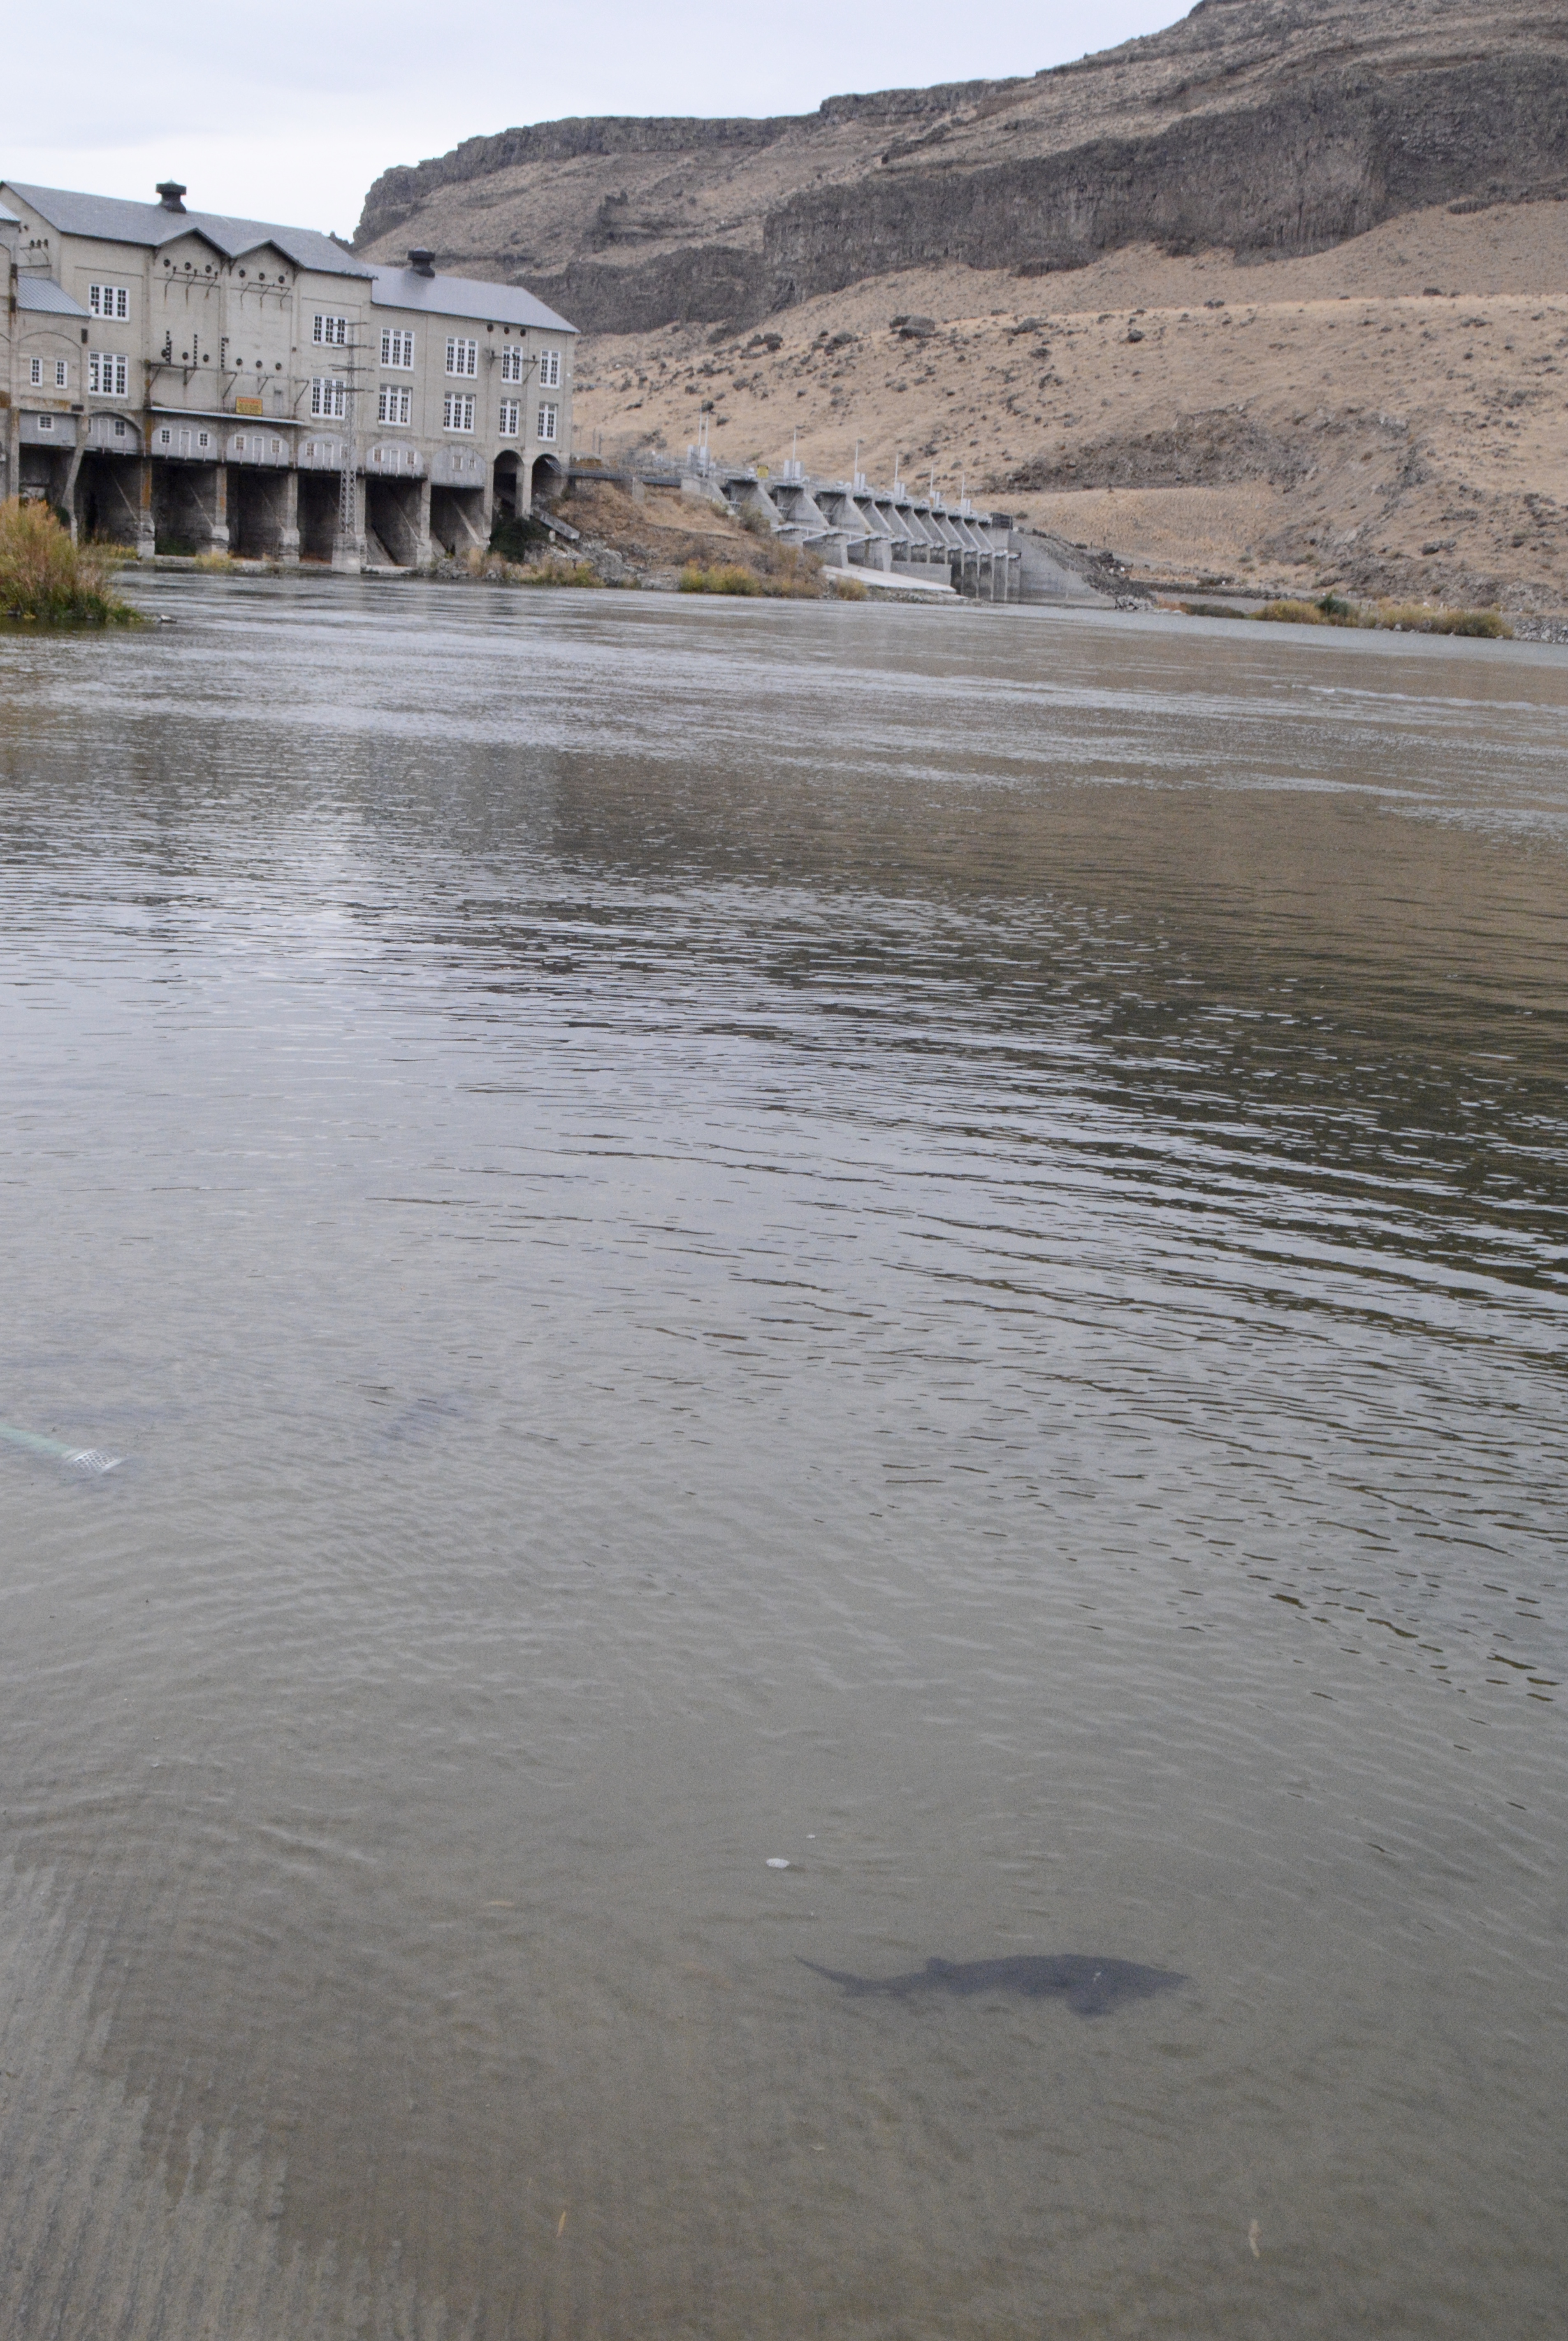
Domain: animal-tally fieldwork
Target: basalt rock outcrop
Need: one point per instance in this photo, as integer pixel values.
(1271, 127)
(1195, 450)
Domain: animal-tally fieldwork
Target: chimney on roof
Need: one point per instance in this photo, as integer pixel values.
(422, 260)
(169, 194)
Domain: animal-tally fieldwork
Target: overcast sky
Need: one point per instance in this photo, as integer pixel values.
(289, 111)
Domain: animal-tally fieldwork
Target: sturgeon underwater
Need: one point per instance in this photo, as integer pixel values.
(1090, 1987)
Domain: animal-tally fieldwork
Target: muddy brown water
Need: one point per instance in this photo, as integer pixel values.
(926, 1245)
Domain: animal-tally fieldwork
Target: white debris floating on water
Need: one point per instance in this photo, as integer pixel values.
(777, 1861)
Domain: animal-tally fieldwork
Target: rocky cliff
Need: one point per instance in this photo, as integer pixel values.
(1269, 127)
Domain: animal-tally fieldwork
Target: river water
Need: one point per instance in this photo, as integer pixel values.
(926, 1245)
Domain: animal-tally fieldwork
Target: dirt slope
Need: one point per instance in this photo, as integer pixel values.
(1329, 418)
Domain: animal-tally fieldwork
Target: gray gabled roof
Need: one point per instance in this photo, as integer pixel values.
(463, 296)
(43, 293)
(113, 220)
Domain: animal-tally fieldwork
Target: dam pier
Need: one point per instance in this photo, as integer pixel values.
(891, 539)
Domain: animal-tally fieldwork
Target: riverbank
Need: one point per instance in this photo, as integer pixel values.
(594, 565)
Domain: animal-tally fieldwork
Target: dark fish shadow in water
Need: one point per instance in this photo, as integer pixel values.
(1090, 1987)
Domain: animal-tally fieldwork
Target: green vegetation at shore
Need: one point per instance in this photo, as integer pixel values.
(45, 579)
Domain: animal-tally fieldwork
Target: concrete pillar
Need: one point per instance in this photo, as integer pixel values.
(422, 525)
(288, 530)
(216, 510)
(147, 532)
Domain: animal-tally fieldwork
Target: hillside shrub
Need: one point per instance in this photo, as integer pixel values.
(1292, 613)
(790, 574)
(557, 572)
(726, 577)
(1419, 618)
(46, 578)
(1331, 611)
(514, 539)
(1391, 617)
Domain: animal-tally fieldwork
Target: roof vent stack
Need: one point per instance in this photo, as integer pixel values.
(422, 260)
(170, 195)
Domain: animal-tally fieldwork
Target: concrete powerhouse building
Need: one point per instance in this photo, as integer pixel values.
(179, 378)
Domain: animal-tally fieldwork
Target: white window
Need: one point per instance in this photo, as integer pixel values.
(109, 301)
(456, 411)
(511, 363)
(549, 369)
(203, 439)
(119, 427)
(395, 402)
(333, 330)
(35, 373)
(106, 374)
(397, 349)
(546, 422)
(62, 373)
(461, 357)
(329, 397)
(45, 421)
(166, 436)
(510, 416)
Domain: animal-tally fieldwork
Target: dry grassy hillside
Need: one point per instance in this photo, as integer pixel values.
(1279, 292)
(1393, 414)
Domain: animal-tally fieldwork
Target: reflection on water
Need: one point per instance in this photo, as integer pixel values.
(790, 1288)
